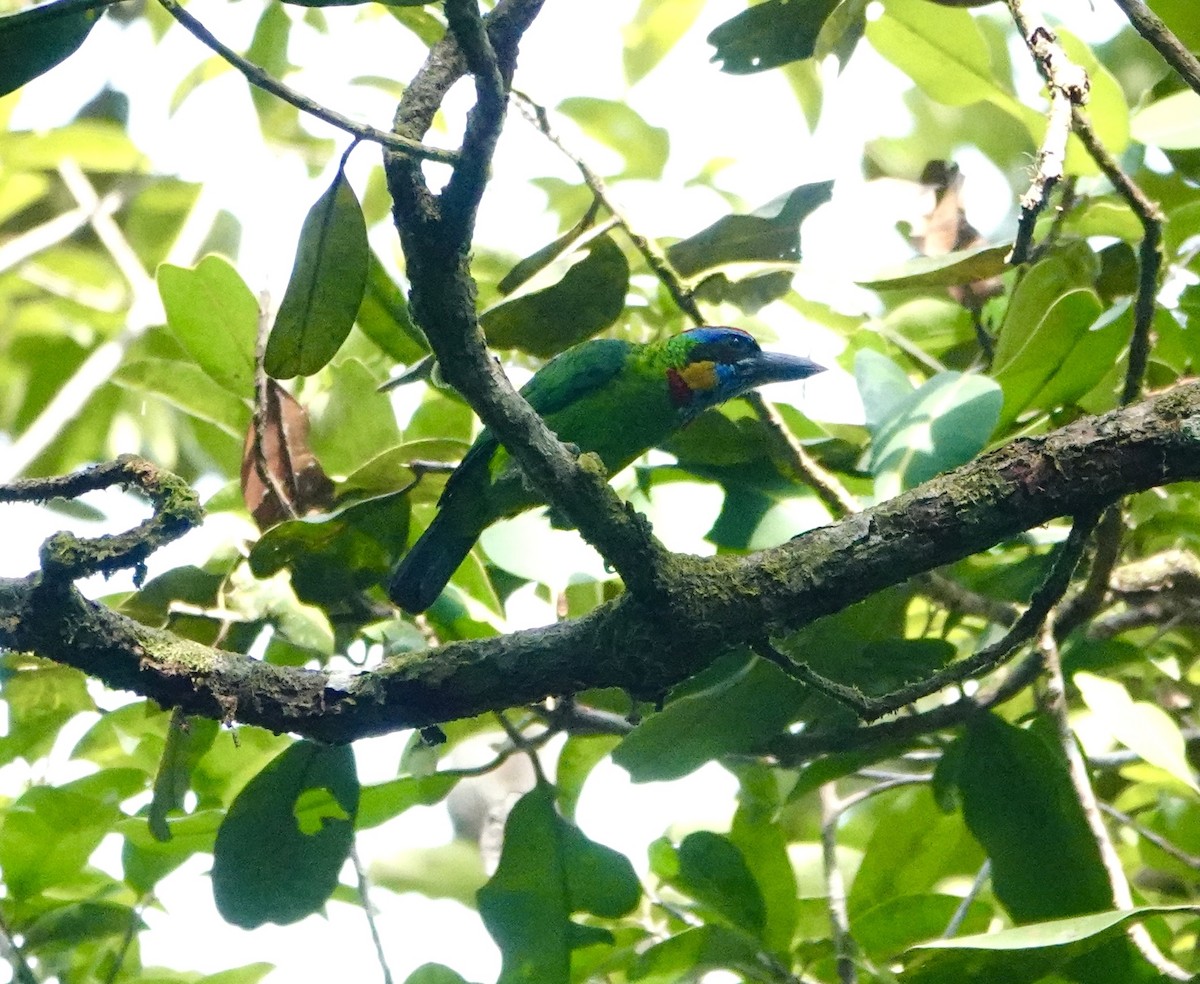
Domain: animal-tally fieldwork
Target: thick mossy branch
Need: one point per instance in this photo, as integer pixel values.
(719, 602)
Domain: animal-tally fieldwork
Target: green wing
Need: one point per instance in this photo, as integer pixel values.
(569, 376)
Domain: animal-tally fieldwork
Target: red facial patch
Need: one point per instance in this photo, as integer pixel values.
(681, 393)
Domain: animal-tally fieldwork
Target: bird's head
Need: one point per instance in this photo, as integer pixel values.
(708, 366)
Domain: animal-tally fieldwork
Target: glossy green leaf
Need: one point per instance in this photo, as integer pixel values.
(1141, 726)
(1018, 801)
(959, 267)
(34, 40)
(943, 424)
(549, 870)
(326, 286)
(883, 387)
(585, 296)
(770, 233)
(213, 314)
(620, 127)
(769, 34)
(294, 877)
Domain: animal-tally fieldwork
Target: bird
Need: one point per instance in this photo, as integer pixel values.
(608, 396)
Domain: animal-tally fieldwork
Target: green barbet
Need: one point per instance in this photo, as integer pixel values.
(614, 398)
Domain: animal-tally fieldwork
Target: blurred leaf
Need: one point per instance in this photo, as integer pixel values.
(34, 40)
(548, 870)
(700, 949)
(1172, 123)
(326, 286)
(958, 267)
(1018, 801)
(215, 317)
(356, 422)
(95, 145)
(622, 128)
(894, 925)
(769, 34)
(711, 870)
(383, 316)
(588, 297)
(188, 739)
(186, 386)
(380, 802)
(943, 51)
(300, 871)
(579, 756)
(434, 974)
(1138, 725)
(769, 233)
(653, 31)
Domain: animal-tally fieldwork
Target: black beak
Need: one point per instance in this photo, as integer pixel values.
(778, 367)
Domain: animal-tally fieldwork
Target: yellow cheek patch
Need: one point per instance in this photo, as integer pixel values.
(700, 375)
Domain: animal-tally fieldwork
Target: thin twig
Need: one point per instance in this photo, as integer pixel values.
(1146, 834)
(964, 907)
(1149, 251)
(364, 896)
(835, 885)
(257, 77)
(1068, 86)
(1048, 594)
(655, 258)
(1150, 26)
(523, 744)
(22, 972)
(1056, 706)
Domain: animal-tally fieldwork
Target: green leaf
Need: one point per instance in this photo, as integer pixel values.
(381, 802)
(945, 53)
(888, 929)
(326, 287)
(943, 424)
(334, 557)
(298, 873)
(33, 41)
(1055, 932)
(770, 233)
(769, 34)
(703, 948)
(711, 870)
(959, 267)
(620, 127)
(431, 973)
(763, 842)
(548, 870)
(755, 701)
(187, 742)
(1074, 267)
(654, 30)
(383, 316)
(1143, 727)
(588, 297)
(1171, 123)
(1061, 327)
(1019, 803)
(356, 422)
(78, 923)
(186, 386)
(580, 754)
(215, 317)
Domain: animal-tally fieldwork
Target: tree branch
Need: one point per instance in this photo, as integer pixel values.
(1150, 26)
(722, 601)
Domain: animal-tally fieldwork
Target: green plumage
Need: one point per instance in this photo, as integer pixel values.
(614, 398)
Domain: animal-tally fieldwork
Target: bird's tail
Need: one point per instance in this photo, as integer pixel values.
(422, 572)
